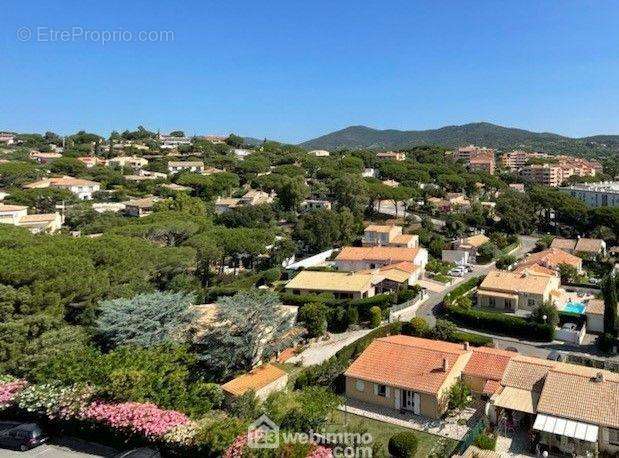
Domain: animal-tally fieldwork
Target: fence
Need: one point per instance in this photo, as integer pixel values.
(470, 437)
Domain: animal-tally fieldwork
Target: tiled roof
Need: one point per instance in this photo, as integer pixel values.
(145, 202)
(331, 281)
(404, 238)
(589, 245)
(551, 257)
(254, 380)
(405, 266)
(526, 373)
(61, 181)
(515, 282)
(186, 163)
(407, 362)
(12, 208)
(572, 392)
(377, 253)
(595, 306)
(39, 218)
(378, 228)
(491, 386)
(563, 244)
(488, 363)
(476, 240)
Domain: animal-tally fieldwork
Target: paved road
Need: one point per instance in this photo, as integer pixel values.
(321, 350)
(63, 447)
(387, 207)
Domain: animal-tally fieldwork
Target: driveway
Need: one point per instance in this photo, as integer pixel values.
(63, 447)
(322, 350)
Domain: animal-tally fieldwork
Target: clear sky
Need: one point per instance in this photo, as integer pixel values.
(292, 70)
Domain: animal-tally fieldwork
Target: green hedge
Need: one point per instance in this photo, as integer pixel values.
(475, 340)
(486, 441)
(462, 289)
(496, 322)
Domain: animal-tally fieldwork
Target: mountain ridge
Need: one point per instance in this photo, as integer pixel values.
(479, 133)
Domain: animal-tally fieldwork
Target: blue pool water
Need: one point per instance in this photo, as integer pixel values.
(574, 307)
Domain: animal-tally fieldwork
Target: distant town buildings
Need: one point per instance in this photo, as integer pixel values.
(476, 158)
(319, 153)
(132, 162)
(44, 158)
(84, 189)
(186, 166)
(545, 174)
(7, 138)
(17, 215)
(391, 155)
(172, 142)
(603, 194)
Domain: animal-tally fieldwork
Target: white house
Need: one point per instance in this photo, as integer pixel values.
(186, 166)
(83, 189)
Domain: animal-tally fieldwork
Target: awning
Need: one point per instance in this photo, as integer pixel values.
(517, 399)
(565, 427)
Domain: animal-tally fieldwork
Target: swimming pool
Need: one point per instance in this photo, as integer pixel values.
(574, 307)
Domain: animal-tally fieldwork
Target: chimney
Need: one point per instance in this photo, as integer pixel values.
(466, 346)
(599, 377)
(445, 365)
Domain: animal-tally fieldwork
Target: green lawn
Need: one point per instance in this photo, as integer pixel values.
(429, 444)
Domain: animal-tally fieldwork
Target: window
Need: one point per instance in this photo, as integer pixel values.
(382, 390)
(359, 385)
(613, 436)
(491, 302)
(531, 302)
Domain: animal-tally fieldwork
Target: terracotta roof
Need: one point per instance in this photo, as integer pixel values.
(377, 253)
(39, 218)
(145, 202)
(550, 258)
(405, 266)
(331, 281)
(515, 282)
(526, 373)
(572, 392)
(589, 245)
(595, 307)
(404, 238)
(537, 269)
(488, 363)
(476, 240)
(61, 181)
(254, 380)
(517, 399)
(379, 228)
(563, 244)
(186, 163)
(408, 362)
(12, 208)
(491, 386)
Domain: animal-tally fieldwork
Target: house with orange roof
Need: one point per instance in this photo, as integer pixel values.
(512, 291)
(83, 189)
(17, 215)
(471, 244)
(373, 257)
(415, 374)
(44, 157)
(548, 261)
(388, 235)
(570, 409)
(262, 380)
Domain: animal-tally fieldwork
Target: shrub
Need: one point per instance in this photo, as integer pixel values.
(376, 316)
(444, 330)
(462, 289)
(498, 322)
(403, 445)
(9, 389)
(505, 261)
(549, 311)
(271, 275)
(459, 395)
(382, 301)
(353, 315)
(476, 340)
(417, 326)
(314, 318)
(485, 441)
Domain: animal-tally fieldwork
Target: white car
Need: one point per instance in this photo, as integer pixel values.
(457, 272)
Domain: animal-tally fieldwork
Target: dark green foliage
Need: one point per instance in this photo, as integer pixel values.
(486, 441)
(496, 322)
(314, 317)
(376, 316)
(547, 310)
(146, 319)
(609, 290)
(403, 445)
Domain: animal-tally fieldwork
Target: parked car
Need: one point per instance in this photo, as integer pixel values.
(569, 327)
(554, 355)
(457, 272)
(21, 436)
(514, 349)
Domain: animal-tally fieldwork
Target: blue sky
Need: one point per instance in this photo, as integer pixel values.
(293, 70)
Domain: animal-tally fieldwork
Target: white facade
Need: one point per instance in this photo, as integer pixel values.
(603, 194)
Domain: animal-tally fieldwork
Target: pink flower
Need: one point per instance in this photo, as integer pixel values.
(320, 452)
(146, 419)
(236, 448)
(9, 390)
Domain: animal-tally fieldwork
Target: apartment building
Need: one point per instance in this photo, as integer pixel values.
(476, 158)
(545, 174)
(603, 194)
(388, 235)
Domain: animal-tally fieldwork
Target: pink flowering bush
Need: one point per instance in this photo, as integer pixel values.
(146, 419)
(320, 452)
(236, 448)
(10, 387)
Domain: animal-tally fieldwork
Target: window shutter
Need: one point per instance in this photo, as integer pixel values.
(397, 398)
(387, 392)
(376, 389)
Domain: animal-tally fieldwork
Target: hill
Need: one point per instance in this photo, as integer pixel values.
(482, 134)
